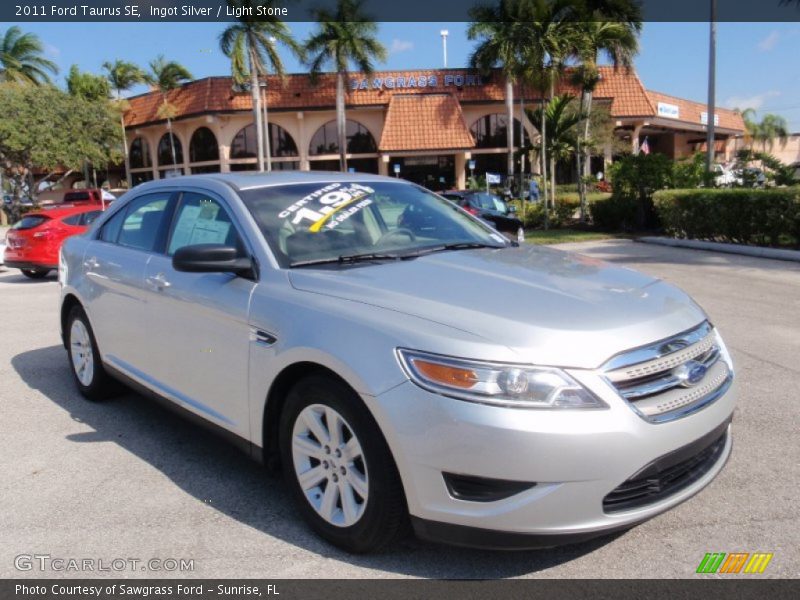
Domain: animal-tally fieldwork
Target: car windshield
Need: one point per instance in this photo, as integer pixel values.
(312, 223)
(490, 202)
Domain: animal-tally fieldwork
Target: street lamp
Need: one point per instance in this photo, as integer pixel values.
(444, 33)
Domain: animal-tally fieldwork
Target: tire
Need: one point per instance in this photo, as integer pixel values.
(35, 273)
(358, 499)
(84, 358)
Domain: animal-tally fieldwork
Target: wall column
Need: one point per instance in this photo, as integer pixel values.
(461, 175)
(383, 165)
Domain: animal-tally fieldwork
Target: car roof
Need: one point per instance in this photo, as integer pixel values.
(248, 180)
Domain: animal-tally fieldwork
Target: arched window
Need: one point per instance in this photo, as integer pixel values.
(140, 154)
(326, 139)
(203, 146)
(490, 131)
(244, 145)
(165, 150)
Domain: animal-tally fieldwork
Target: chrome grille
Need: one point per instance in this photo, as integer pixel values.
(671, 378)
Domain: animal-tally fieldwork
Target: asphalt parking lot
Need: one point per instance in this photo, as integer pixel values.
(127, 479)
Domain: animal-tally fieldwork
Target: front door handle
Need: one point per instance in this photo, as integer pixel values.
(91, 263)
(158, 281)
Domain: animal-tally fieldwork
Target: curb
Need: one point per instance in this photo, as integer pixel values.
(754, 251)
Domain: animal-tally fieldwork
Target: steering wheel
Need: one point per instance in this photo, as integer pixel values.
(395, 232)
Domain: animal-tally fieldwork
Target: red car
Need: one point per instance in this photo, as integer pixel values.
(32, 244)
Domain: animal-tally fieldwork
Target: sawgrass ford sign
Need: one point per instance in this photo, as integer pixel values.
(417, 80)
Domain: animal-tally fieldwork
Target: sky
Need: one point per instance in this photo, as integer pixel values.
(756, 62)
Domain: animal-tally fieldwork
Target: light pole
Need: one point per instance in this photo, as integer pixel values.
(444, 33)
(712, 68)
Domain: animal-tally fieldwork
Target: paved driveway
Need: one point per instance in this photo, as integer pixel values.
(127, 479)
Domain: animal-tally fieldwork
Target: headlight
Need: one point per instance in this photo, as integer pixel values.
(500, 384)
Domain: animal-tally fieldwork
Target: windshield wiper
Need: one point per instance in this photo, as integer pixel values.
(458, 246)
(347, 259)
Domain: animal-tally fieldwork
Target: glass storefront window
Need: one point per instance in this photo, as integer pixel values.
(359, 139)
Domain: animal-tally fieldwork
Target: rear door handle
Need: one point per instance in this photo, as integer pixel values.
(158, 281)
(91, 263)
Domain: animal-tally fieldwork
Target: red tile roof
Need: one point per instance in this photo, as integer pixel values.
(689, 111)
(437, 115)
(622, 87)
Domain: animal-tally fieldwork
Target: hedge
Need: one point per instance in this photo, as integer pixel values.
(617, 213)
(745, 216)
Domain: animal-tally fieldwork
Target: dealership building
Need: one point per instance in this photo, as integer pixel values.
(429, 126)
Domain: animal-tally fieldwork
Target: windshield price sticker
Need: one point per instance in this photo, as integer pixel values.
(319, 206)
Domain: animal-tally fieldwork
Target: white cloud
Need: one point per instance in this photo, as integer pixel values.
(769, 42)
(52, 51)
(755, 102)
(400, 46)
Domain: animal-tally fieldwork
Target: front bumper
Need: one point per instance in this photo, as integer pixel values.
(575, 458)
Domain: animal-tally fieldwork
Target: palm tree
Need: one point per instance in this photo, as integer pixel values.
(750, 125)
(122, 76)
(549, 40)
(250, 44)
(343, 37)
(21, 60)
(617, 39)
(166, 76)
(503, 34)
(771, 128)
(562, 119)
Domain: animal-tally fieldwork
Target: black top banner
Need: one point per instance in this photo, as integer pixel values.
(378, 10)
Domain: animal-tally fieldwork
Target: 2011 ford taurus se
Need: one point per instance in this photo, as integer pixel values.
(401, 362)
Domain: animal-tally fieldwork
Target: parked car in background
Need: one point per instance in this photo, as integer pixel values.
(401, 361)
(489, 207)
(88, 196)
(723, 176)
(8, 199)
(33, 243)
(751, 177)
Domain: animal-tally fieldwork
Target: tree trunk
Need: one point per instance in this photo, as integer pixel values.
(169, 129)
(267, 149)
(341, 122)
(584, 156)
(510, 129)
(255, 94)
(125, 151)
(543, 156)
(552, 158)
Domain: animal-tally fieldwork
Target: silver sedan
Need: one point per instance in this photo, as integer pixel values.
(403, 364)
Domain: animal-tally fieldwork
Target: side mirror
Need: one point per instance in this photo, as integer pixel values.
(212, 258)
(512, 208)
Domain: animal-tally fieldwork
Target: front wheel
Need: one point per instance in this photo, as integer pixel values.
(91, 378)
(339, 468)
(35, 273)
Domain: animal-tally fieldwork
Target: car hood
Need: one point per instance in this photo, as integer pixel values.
(548, 306)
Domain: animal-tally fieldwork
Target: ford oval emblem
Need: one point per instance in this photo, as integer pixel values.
(690, 373)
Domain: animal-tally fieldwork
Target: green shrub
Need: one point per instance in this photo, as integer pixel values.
(565, 210)
(635, 178)
(746, 216)
(615, 213)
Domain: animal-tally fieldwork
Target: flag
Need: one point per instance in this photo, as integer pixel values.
(645, 147)
(493, 178)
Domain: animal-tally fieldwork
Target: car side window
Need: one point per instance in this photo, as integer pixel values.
(88, 218)
(73, 220)
(201, 219)
(144, 221)
(111, 228)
